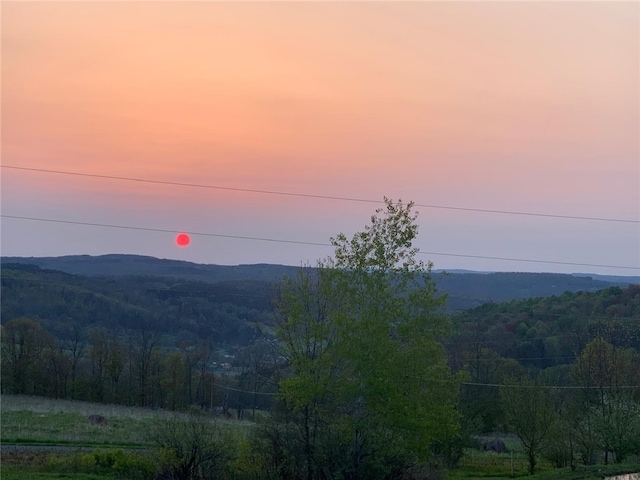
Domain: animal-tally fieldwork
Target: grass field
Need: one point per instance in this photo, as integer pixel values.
(19, 473)
(41, 421)
(593, 472)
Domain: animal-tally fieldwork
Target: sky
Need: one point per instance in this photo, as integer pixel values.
(529, 107)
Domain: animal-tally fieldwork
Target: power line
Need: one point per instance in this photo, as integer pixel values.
(163, 230)
(473, 360)
(551, 387)
(323, 197)
(516, 341)
(301, 242)
(527, 315)
(510, 259)
(247, 391)
(475, 384)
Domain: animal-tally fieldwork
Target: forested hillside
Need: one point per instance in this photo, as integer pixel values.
(464, 290)
(117, 265)
(536, 332)
(233, 301)
(180, 309)
(547, 331)
(575, 340)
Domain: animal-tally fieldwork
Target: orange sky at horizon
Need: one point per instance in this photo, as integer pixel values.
(505, 105)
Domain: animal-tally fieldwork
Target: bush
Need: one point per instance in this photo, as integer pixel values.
(191, 448)
(122, 464)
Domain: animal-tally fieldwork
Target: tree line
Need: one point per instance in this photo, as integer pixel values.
(133, 368)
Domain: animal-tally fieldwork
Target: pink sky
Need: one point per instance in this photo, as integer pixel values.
(521, 106)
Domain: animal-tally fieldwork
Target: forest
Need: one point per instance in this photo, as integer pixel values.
(355, 367)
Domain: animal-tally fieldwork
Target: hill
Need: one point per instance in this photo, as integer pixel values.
(183, 309)
(465, 289)
(121, 265)
(185, 300)
(547, 331)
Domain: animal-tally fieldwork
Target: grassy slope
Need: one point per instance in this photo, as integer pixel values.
(43, 421)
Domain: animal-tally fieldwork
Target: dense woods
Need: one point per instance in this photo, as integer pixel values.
(363, 369)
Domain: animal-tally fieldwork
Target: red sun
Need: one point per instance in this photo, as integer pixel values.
(182, 240)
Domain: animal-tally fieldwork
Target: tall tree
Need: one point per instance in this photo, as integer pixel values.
(362, 334)
(306, 312)
(529, 410)
(24, 343)
(605, 374)
(174, 381)
(253, 373)
(74, 348)
(144, 342)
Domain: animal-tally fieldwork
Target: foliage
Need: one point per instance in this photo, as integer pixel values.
(530, 413)
(369, 388)
(22, 472)
(610, 412)
(117, 464)
(26, 347)
(58, 301)
(191, 448)
(560, 446)
(544, 332)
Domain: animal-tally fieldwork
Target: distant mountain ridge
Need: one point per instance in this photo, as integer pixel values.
(120, 264)
(466, 289)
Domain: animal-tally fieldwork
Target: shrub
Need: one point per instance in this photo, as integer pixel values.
(190, 448)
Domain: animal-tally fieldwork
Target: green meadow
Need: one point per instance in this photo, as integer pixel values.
(124, 450)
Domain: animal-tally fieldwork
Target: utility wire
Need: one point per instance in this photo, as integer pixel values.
(503, 341)
(300, 242)
(475, 384)
(163, 230)
(538, 315)
(223, 387)
(551, 387)
(511, 259)
(323, 197)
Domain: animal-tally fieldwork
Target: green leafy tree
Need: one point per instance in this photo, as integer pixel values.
(173, 381)
(477, 401)
(107, 358)
(307, 307)
(605, 373)
(74, 348)
(560, 445)
(529, 410)
(25, 354)
(362, 335)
